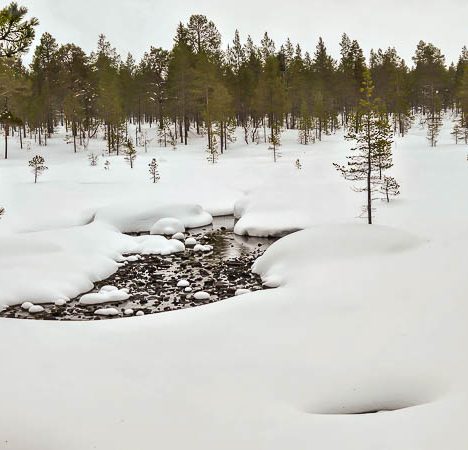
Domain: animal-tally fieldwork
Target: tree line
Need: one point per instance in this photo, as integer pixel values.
(199, 86)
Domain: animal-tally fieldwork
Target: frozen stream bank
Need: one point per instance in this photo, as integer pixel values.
(219, 267)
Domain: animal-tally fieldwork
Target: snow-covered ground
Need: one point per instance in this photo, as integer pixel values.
(365, 318)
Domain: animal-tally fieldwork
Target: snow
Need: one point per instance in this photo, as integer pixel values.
(364, 317)
(201, 295)
(183, 283)
(202, 248)
(179, 236)
(140, 216)
(35, 309)
(242, 291)
(190, 242)
(105, 295)
(167, 226)
(107, 312)
(157, 245)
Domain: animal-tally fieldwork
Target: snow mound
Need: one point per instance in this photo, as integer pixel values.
(322, 243)
(35, 309)
(137, 217)
(201, 295)
(190, 242)
(202, 248)
(183, 283)
(105, 295)
(107, 312)
(179, 236)
(156, 245)
(167, 226)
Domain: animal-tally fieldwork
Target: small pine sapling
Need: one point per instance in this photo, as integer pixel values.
(212, 149)
(153, 170)
(298, 164)
(130, 153)
(457, 132)
(390, 188)
(93, 159)
(107, 165)
(37, 165)
(275, 142)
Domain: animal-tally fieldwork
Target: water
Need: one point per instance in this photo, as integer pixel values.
(152, 279)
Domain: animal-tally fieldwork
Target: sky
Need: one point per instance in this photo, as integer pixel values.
(134, 25)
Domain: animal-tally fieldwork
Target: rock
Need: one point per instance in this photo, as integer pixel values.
(140, 313)
(128, 312)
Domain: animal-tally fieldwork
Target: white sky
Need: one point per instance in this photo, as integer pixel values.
(134, 25)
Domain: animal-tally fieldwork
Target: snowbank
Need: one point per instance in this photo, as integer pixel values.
(105, 295)
(168, 226)
(141, 216)
(47, 266)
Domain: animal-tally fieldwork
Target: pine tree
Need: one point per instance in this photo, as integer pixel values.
(306, 125)
(457, 131)
(93, 159)
(390, 188)
(153, 170)
(212, 149)
(38, 166)
(372, 152)
(16, 33)
(130, 153)
(275, 142)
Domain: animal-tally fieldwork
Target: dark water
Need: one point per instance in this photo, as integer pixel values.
(152, 279)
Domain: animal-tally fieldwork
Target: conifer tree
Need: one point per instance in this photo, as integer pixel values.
(16, 33)
(372, 152)
(305, 126)
(130, 153)
(389, 187)
(275, 142)
(153, 170)
(38, 166)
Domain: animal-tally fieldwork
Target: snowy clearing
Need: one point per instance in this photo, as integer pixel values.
(364, 318)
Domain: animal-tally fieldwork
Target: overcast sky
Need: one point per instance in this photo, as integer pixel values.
(134, 25)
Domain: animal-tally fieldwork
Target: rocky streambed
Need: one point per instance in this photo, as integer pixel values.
(156, 283)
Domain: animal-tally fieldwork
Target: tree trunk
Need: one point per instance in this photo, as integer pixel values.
(6, 141)
(369, 172)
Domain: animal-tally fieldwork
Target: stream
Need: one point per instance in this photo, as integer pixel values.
(151, 280)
